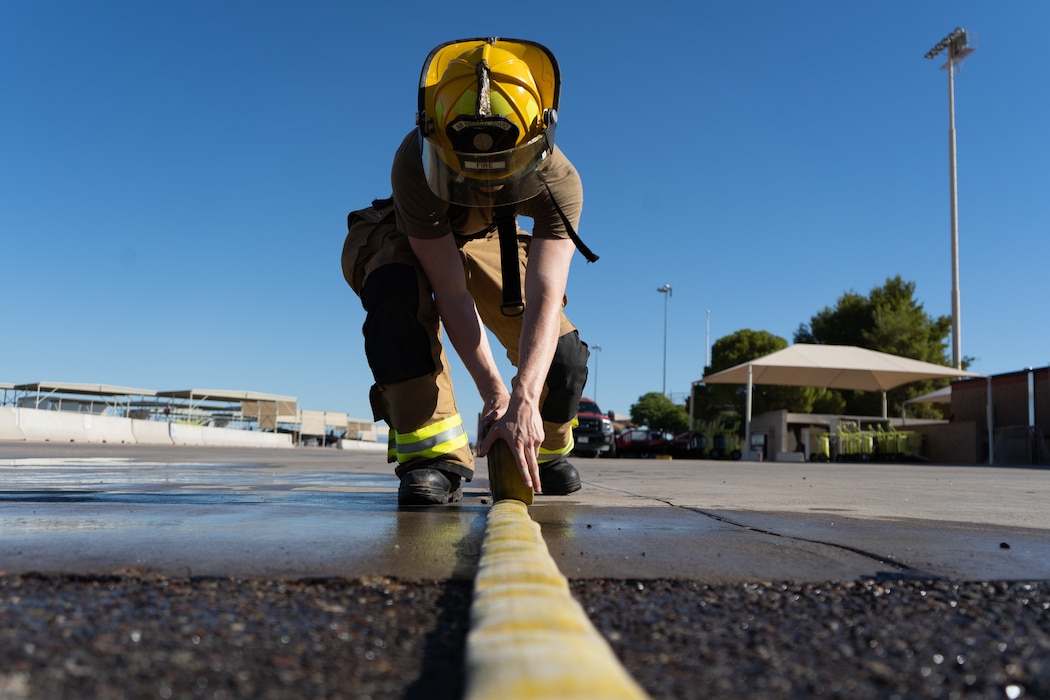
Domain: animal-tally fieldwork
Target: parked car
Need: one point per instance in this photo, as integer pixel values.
(644, 442)
(714, 439)
(594, 435)
(706, 445)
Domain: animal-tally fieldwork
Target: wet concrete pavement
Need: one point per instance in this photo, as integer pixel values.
(312, 512)
(131, 572)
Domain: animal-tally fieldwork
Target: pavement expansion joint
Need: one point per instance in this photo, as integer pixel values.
(879, 558)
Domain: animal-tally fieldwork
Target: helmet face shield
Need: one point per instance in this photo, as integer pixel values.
(478, 179)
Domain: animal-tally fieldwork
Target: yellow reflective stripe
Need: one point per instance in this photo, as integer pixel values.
(428, 431)
(434, 440)
(439, 450)
(391, 446)
(551, 455)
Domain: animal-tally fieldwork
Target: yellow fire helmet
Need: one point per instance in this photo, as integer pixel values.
(487, 112)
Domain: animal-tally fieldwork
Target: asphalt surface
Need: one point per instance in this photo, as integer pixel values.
(131, 571)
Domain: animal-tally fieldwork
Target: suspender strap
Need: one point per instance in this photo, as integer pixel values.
(507, 227)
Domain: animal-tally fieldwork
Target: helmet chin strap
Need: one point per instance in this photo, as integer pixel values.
(580, 245)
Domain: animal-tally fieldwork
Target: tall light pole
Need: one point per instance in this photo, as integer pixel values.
(666, 289)
(597, 347)
(959, 46)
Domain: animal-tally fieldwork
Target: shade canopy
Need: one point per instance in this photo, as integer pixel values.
(834, 367)
(942, 395)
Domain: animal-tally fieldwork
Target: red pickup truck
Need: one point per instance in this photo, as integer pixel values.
(594, 434)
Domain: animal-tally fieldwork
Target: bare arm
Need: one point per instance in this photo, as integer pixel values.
(444, 269)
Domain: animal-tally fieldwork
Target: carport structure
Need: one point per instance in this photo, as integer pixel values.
(834, 367)
(55, 393)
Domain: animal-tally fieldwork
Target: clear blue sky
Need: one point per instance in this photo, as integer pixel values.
(174, 179)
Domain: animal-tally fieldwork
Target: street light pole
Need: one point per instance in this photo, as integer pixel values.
(666, 289)
(707, 342)
(959, 47)
(599, 349)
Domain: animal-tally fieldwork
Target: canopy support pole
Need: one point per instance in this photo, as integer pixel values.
(991, 423)
(747, 421)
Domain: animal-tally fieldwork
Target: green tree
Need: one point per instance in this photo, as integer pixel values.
(900, 325)
(657, 411)
(842, 325)
(888, 320)
(737, 348)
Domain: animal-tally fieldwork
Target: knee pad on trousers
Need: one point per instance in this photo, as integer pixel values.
(397, 343)
(566, 379)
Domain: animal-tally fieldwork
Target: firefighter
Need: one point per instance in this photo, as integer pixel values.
(481, 154)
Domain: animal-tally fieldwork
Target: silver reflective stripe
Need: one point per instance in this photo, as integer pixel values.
(431, 442)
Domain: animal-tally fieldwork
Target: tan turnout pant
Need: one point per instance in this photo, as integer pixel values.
(413, 389)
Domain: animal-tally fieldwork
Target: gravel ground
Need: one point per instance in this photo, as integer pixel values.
(141, 637)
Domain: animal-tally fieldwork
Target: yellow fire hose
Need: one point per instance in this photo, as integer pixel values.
(529, 638)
